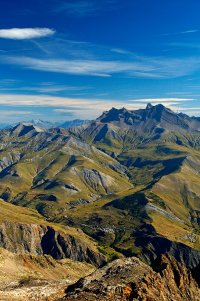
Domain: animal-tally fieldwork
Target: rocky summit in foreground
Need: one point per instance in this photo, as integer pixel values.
(130, 279)
(118, 197)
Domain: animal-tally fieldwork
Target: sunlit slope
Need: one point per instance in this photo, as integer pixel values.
(167, 206)
(178, 194)
(52, 170)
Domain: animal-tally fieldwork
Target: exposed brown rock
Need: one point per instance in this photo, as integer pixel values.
(130, 279)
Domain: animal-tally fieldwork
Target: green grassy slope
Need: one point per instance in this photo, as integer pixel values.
(53, 172)
(165, 170)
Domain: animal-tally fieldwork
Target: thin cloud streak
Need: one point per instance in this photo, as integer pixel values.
(14, 113)
(81, 8)
(44, 89)
(141, 67)
(181, 32)
(54, 101)
(162, 100)
(84, 8)
(89, 107)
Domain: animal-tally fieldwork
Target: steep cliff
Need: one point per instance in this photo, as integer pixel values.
(41, 239)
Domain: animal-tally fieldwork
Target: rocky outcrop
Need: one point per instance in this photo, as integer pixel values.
(130, 279)
(9, 160)
(96, 180)
(26, 129)
(40, 239)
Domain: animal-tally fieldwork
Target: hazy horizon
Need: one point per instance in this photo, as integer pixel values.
(62, 120)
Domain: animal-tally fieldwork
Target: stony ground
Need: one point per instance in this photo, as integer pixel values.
(33, 291)
(37, 278)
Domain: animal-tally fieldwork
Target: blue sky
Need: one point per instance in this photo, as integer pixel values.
(61, 60)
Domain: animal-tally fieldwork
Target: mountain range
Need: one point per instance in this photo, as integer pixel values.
(124, 185)
(45, 124)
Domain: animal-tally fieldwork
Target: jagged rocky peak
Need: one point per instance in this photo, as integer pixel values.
(149, 106)
(158, 108)
(111, 115)
(26, 129)
(124, 114)
(118, 115)
(149, 118)
(157, 111)
(166, 118)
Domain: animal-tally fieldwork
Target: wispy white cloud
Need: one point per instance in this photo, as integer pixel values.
(173, 103)
(79, 67)
(83, 107)
(79, 107)
(120, 51)
(46, 88)
(65, 112)
(181, 32)
(12, 116)
(190, 109)
(185, 45)
(80, 8)
(83, 8)
(83, 58)
(55, 101)
(189, 31)
(61, 47)
(183, 93)
(14, 113)
(6, 82)
(25, 33)
(61, 110)
(143, 67)
(161, 100)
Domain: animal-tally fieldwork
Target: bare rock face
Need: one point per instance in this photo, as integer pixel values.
(149, 118)
(40, 239)
(130, 279)
(26, 129)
